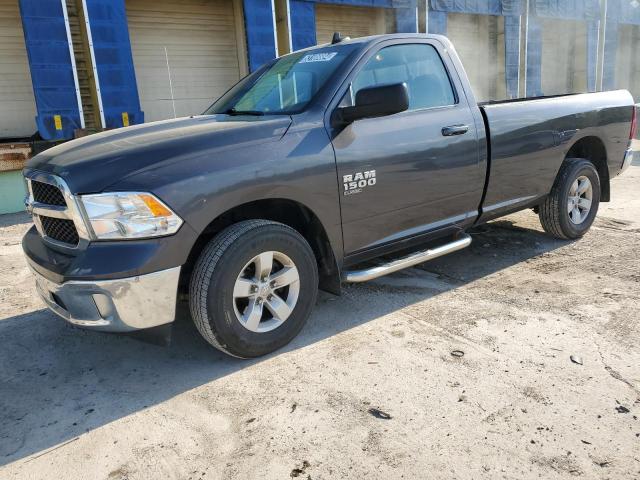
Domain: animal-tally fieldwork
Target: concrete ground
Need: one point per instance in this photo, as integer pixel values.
(370, 389)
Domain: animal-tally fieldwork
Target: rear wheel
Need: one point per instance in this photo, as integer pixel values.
(253, 288)
(570, 209)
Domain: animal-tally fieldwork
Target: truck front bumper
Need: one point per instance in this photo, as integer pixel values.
(119, 305)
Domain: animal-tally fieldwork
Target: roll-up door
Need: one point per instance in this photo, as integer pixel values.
(479, 41)
(18, 111)
(185, 52)
(627, 74)
(351, 21)
(564, 56)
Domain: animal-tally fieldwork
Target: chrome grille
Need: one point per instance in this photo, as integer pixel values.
(55, 210)
(60, 230)
(47, 194)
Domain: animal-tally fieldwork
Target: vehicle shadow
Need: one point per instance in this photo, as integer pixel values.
(58, 381)
(11, 219)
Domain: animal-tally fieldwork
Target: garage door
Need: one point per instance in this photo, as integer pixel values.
(479, 41)
(17, 104)
(352, 21)
(627, 73)
(185, 53)
(564, 56)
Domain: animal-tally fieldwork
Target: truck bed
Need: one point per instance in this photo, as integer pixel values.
(525, 99)
(529, 138)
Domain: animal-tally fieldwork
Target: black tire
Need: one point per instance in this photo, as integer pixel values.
(553, 212)
(215, 273)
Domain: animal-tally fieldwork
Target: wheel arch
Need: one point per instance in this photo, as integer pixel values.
(593, 149)
(286, 211)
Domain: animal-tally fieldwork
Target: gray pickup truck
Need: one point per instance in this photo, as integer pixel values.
(296, 178)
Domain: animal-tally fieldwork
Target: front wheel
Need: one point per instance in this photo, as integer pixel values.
(253, 288)
(571, 207)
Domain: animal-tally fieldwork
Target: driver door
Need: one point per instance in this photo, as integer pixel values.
(409, 173)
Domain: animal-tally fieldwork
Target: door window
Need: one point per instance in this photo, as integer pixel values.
(417, 65)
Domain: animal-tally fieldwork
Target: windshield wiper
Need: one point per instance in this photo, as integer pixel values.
(233, 111)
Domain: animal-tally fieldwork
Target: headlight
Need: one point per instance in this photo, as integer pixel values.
(129, 215)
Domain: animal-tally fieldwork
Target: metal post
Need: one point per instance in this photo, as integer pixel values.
(93, 62)
(602, 39)
(275, 31)
(73, 62)
(526, 45)
(173, 102)
(289, 36)
(426, 16)
(519, 90)
(598, 55)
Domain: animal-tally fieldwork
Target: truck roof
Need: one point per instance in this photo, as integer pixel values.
(371, 39)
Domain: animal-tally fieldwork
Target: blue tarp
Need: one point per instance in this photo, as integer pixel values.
(593, 31)
(512, 54)
(303, 24)
(623, 11)
(481, 7)
(366, 3)
(406, 19)
(114, 62)
(303, 17)
(567, 9)
(54, 88)
(259, 26)
(438, 23)
(534, 58)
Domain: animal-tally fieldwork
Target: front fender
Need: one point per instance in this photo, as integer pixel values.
(299, 167)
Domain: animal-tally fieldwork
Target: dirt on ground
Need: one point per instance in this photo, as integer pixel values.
(518, 357)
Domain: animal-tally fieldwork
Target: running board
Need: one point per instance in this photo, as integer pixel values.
(356, 276)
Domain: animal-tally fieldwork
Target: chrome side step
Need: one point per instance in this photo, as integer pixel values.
(356, 276)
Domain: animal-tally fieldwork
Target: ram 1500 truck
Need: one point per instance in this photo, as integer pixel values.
(296, 178)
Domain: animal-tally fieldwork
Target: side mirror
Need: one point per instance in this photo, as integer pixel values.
(374, 102)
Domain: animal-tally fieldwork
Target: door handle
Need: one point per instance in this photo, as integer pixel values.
(452, 130)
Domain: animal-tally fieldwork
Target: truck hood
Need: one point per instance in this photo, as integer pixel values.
(93, 163)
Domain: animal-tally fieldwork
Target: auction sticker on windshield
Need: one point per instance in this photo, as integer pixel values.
(318, 57)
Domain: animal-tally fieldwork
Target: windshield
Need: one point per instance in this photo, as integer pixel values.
(286, 86)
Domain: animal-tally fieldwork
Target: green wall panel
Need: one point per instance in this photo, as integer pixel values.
(12, 192)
